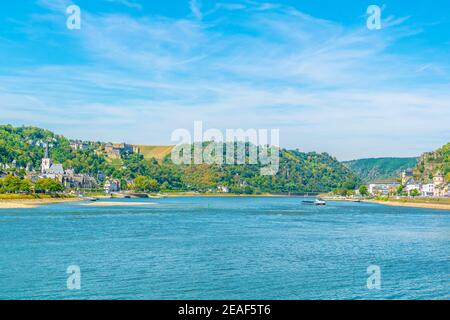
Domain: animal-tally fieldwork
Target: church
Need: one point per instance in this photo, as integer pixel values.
(50, 169)
(68, 178)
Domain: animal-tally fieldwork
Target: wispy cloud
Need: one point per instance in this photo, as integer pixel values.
(127, 3)
(195, 6)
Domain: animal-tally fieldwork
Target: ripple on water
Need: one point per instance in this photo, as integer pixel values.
(225, 248)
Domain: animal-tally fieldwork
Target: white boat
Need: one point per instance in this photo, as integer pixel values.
(320, 202)
(317, 202)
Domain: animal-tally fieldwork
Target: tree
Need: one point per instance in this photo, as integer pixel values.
(342, 192)
(414, 193)
(339, 192)
(48, 185)
(349, 184)
(363, 190)
(26, 185)
(399, 190)
(248, 190)
(145, 184)
(123, 184)
(12, 183)
(165, 186)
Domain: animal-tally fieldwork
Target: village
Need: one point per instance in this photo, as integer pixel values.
(408, 186)
(70, 180)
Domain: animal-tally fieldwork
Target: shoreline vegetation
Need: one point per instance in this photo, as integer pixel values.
(21, 201)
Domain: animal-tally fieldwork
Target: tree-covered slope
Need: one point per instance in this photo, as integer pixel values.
(25, 146)
(298, 172)
(373, 169)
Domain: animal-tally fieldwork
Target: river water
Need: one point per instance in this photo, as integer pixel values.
(225, 248)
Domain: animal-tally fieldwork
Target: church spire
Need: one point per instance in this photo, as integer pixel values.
(46, 151)
(46, 161)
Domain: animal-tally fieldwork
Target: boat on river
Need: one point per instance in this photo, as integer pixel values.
(320, 202)
(317, 202)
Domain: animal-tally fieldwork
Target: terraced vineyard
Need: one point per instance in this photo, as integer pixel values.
(157, 152)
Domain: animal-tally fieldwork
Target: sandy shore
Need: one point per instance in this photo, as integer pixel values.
(173, 195)
(32, 203)
(116, 204)
(441, 206)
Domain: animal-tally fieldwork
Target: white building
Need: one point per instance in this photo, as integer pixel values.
(413, 186)
(223, 189)
(46, 162)
(382, 188)
(427, 190)
(439, 185)
(50, 169)
(78, 145)
(112, 185)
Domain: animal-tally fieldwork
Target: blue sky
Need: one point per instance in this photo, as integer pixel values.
(138, 70)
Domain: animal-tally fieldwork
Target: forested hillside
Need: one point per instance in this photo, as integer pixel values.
(298, 172)
(374, 169)
(25, 146)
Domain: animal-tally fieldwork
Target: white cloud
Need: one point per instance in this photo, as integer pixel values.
(327, 87)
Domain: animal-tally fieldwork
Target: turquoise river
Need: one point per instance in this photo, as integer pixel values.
(224, 248)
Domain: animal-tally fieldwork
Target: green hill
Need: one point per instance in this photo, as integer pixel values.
(298, 172)
(373, 169)
(25, 146)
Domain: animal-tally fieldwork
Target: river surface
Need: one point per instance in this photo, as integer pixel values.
(225, 248)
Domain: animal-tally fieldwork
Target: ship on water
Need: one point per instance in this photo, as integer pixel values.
(317, 202)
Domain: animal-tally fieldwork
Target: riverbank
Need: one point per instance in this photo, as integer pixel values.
(32, 203)
(441, 204)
